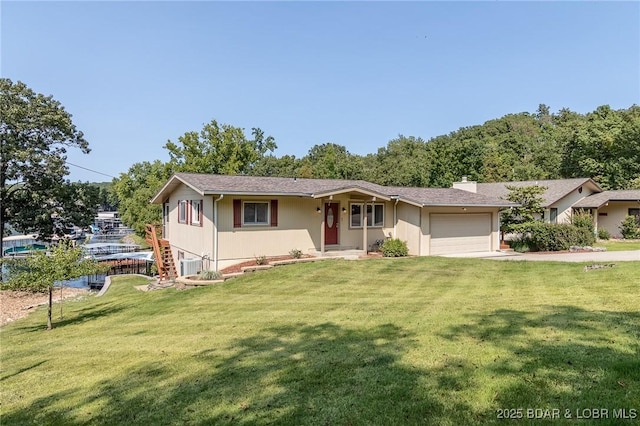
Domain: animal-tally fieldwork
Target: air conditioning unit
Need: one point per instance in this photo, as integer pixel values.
(190, 266)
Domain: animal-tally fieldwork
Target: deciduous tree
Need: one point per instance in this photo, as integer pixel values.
(41, 271)
(36, 132)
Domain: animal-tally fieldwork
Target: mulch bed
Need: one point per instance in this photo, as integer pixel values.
(238, 267)
(18, 304)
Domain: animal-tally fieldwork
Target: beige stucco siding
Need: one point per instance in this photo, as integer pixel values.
(298, 228)
(565, 204)
(192, 240)
(615, 213)
(352, 237)
(408, 227)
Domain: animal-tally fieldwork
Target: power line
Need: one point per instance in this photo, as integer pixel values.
(90, 170)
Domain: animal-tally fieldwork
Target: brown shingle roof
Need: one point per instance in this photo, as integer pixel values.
(254, 185)
(556, 188)
(217, 184)
(597, 200)
(446, 197)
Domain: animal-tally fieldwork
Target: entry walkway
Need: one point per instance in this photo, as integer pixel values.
(595, 256)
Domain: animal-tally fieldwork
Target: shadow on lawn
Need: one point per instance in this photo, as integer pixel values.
(75, 316)
(563, 357)
(302, 374)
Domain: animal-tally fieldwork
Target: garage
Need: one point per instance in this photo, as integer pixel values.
(460, 233)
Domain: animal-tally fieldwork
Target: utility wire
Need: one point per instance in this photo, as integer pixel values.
(80, 167)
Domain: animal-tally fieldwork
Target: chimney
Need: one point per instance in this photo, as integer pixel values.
(466, 185)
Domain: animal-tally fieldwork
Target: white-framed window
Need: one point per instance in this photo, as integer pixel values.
(255, 213)
(182, 211)
(196, 212)
(375, 215)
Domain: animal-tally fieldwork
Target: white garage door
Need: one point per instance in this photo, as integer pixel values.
(460, 233)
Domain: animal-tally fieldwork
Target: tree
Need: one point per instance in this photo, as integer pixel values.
(40, 272)
(270, 165)
(219, 149)
(136, 188)
(36, 132)
(403, 162)
(333, 161)
(530, 201)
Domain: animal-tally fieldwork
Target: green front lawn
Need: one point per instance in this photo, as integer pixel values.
(619, 245)
(382, 342)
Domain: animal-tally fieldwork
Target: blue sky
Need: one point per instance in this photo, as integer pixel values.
(136, 74)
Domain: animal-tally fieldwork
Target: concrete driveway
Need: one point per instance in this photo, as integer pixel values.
(596, 256)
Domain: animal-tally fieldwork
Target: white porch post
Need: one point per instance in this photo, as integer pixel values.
(364, 227)
(322, 229)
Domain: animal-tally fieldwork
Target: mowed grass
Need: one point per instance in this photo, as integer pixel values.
(619, 245)
(375, 342)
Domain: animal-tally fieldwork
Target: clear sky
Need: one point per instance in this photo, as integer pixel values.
(136, 74)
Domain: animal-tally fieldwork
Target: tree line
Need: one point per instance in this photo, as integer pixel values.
(603, 144)
(36, 132)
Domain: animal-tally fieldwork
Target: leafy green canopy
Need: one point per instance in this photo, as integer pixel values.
(529, 209)
(603, 144)
(36, 132)
(217, 148)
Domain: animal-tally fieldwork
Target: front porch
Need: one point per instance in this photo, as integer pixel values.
(349, 253)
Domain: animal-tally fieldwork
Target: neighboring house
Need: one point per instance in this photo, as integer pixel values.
(609, 208)
(228, 219)
(563, 196)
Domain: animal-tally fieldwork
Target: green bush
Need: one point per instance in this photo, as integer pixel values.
(394, 247)
(520, 245)
(629, 228)
(603, 234)
(209, 275)
(296, 253)
(583, 219)
(540, 236)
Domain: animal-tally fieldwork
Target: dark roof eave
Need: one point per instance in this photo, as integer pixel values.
(258, 193)
(468, 205)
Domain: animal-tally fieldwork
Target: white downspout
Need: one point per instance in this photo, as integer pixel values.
(395, 217)
(215, 231)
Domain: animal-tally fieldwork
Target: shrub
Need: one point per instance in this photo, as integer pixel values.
(603, 234)
(261, 260)
(209, 275)
(521, 245)
(583, 219)
(629, 228)
(556, 237)
(394, 247)
(295, 253)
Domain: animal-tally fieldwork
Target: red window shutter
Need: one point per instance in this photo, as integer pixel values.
(274, 212)
(237, 213)
(201, 212)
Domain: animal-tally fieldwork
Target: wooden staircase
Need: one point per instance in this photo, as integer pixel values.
(162, 253)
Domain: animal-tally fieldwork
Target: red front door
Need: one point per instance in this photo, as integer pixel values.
(331, 216)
